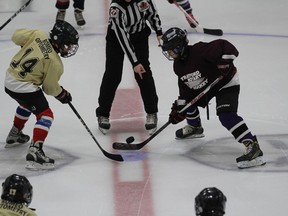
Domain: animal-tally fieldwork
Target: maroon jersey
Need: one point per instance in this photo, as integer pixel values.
(199, 69)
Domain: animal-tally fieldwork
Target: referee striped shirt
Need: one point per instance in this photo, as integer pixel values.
(130, 18)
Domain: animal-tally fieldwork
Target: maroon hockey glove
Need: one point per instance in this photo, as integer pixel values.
(175, 116)
(64, 97)
(226, 68)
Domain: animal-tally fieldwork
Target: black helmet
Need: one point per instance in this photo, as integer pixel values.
(17, 189)
(64, 38)
(174, 39)
(210, 202)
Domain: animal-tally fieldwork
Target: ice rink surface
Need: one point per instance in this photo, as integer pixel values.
(166, 180)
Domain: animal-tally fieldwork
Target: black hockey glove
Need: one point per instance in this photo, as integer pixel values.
(175, 116)
(171, 1)
(64, 97)
(226, 67)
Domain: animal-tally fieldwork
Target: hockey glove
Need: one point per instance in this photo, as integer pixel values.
(64, 97)
(175, 116)
(226, 67)
(171, 1)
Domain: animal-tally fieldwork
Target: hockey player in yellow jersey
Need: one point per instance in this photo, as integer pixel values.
(16, 196)
(35, 69)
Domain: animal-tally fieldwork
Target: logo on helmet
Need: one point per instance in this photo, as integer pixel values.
(143, 5)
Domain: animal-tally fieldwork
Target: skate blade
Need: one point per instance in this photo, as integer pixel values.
(151, 131)
(103, 131)
(195, 136)
(81, 27)
(259, 161)
(14, 144)
(32, 165)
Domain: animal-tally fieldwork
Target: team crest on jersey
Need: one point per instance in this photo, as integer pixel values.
(113, 12)
(194, 80)
(143, 5)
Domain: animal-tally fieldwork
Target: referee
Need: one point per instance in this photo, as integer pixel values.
(128, 34)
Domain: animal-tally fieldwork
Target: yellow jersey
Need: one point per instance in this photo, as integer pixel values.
(8, 208)
(36, 65)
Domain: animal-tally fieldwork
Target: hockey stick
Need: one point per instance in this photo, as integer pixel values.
(15, 14)
(129, 146)
(217, 32)
(115, 157)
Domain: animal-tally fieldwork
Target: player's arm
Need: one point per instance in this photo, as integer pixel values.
(225, 61)
(21, 36)
(221, 53)
(154, 19)
(51, 84)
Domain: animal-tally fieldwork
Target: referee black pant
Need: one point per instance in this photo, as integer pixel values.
(114, 68)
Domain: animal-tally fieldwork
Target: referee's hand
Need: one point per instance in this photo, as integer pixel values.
(139, 69)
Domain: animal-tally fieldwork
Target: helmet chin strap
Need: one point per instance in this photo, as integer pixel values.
(185, 54)
(55, 46)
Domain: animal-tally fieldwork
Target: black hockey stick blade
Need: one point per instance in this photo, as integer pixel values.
(128, 146)
(15, 14)
(115, 157)
(217, 32)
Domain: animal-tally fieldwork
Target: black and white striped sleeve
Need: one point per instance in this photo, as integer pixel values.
(154, 19)
(117, 18)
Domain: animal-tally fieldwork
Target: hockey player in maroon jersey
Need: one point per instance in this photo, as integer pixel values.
(197, 66)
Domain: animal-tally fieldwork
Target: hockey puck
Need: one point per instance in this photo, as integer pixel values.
(130, 139)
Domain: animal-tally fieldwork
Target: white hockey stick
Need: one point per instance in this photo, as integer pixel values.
(198, 28)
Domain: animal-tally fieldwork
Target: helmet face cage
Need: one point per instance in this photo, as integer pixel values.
(175, 40)
(210, 201)
(17, 189)
(65, 37)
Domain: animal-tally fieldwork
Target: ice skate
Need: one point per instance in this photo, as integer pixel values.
(36, 158)
(151, 123)
(252, 157)
(15, 138)
(79, 17)
(103, 124)
(60, 15)
(189, 132)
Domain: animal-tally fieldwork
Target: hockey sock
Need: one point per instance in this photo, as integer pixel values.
(43, 124)
(236, 125)
(62, 4)
(185, 4)
(21, 117)
(193, 116)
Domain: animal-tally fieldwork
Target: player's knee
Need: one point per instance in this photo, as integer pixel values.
(45, 118)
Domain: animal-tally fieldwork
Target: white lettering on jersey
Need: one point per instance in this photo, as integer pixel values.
(194, 80)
